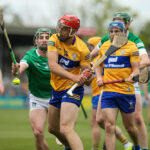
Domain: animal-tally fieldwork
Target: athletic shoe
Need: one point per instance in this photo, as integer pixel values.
(58, 142)
(104, 146)
(131, 147)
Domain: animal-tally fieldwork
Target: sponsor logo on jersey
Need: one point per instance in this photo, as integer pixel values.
(111, 60)
(63, 61)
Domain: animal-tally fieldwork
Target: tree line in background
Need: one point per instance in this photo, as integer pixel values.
(95, 13)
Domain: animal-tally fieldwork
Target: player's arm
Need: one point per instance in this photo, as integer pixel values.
(94, 52)
(145, 90)
(60, 71)
(85, 70)
(18, 68)
(144, 60)
(99, 76)
(135, 70)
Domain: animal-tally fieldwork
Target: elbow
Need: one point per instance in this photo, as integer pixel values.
(52, 67)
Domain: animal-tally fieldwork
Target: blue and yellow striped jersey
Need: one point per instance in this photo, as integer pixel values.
(70, 57)
(95, 89)
(118, 66)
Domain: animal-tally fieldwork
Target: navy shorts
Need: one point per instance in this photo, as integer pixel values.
(95, 101)
(61, 96)
(126, 103)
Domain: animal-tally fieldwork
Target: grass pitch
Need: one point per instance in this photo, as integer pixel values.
(16, 133)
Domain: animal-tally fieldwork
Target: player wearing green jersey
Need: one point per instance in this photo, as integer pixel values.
(144, 61)
(35, 63)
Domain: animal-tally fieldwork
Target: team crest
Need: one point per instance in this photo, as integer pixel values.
(128, 89)
(74, 56)
(122, 52)
(131, 105)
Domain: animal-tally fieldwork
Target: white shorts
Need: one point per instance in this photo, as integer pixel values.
(38, 103)
(136, 88)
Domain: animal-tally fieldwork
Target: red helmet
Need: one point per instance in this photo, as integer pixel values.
(71, 21)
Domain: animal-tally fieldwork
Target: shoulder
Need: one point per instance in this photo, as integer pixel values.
(31, 52)
(134, 38)
(80, 44)
(130, 45)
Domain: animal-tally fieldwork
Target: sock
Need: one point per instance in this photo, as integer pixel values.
(137, 147)
(95, 147)
(124, 140)
(67, 148)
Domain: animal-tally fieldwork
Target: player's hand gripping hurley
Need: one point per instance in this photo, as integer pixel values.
(119, 40)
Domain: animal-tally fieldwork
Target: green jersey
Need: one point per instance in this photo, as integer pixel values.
(38, 74)
(131, 37)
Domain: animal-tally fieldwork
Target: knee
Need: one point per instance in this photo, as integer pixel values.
(100, 121)
(130, 129)
(52, 130)
(138, 119)
(110, 127)
(38, 132)
(64, 129)
(93, 122)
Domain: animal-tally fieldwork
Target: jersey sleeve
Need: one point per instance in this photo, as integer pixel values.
(85, 56)
(140, 46)
(26, 59)
(134, 54)
(104, 39)
(52, 44)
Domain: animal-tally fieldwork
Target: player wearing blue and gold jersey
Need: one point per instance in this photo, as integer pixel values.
(144, 61)
(92, 42)
(68, 56)
(119, 96)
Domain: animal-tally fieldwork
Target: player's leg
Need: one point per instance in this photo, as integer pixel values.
(131, 127)
(94, 125)
(127, 106)
(54, 124)
(119, 134)
(110, 115)
(68, 118)
(149, 113)
(142, 132)
(38, 117)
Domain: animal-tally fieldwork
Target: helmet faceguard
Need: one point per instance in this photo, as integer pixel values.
(42, 30)
(37, 34)
(117, 24)
(122, 15)
(71, 22)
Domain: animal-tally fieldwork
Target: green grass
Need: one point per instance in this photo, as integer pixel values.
(16, 133)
